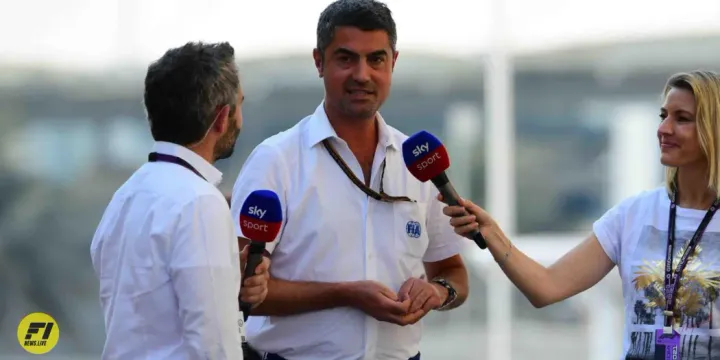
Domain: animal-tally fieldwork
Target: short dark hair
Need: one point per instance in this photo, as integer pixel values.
(184, 88)
(366, 15)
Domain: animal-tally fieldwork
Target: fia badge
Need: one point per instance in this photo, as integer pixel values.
(667, 346)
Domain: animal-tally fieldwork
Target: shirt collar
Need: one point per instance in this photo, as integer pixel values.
(320, 129)
(207, 170)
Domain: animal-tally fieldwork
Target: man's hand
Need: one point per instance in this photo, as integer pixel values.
(254, 289)
(423, 296)
(378, 301)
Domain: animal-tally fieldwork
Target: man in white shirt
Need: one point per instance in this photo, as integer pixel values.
(365, 251)
(165, 251)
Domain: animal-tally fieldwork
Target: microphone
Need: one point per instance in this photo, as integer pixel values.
(260, 221)
(427, 159)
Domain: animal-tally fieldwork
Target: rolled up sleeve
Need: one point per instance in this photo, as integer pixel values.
(443, 241)
(263, 170)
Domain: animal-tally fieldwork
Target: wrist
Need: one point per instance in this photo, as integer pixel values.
(443, 292)
(345, 294)
(449, 290)
(497, 242)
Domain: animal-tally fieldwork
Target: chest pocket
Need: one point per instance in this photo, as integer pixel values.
(411, 238)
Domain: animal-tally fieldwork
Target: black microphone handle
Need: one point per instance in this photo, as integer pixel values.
(254, 258)
(451, 197)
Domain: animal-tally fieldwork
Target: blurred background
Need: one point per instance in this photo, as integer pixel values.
(549, 111)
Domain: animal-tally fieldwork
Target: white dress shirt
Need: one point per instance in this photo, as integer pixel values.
(334, 232)
(167, 259)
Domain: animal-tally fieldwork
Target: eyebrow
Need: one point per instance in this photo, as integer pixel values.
(344, 51)
(663, 109)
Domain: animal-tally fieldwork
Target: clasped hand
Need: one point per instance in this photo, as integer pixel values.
(413, 301)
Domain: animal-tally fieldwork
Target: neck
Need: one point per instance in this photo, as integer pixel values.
(361, 135)
(693, 191)
(204, 151)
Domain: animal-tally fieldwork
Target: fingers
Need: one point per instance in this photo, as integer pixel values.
(253, 296)
(263, 267)
(387, 293)
(466, 203)
(259, 279)
(412, 317)
(407, 318)
(467, 229)
(419, 299)
(254, 290)
(464, 224)
(405, 289)
(433, 302)
(396, 308)
(260, 273)
(454, 211)
(416, 293)
(462, 220)
(243, 256)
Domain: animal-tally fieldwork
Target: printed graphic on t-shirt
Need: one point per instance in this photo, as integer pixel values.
(697, 318)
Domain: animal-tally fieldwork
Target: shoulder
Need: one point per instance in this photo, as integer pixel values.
(634, 209)
(282, 146)
(173, 188)
(644, 199)
(288, 138)
(160, 209)
(398, 136)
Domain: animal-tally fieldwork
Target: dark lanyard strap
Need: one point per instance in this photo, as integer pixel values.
(381, 196)
(672, 279)
(158, 157)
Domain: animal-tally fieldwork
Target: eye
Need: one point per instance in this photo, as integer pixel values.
(376, 60)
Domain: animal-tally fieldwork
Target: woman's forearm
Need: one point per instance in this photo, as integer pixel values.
(530, 277)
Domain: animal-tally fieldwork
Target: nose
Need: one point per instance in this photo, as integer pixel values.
(666, 127)
(362, 72)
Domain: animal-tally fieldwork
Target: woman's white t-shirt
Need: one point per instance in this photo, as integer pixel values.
(634, 236)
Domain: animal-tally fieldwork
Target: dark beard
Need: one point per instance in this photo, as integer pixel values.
(226, 145)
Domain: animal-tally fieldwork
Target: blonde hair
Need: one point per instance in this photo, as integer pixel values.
(705, 87)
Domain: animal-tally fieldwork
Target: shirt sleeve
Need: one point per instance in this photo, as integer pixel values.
(261, 171)
(443, 241)
(609, 228)
(205, 273)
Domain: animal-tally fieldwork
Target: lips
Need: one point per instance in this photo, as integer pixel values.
(668, 145)
(360, 94)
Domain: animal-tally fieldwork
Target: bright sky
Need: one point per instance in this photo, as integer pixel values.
(94, 34)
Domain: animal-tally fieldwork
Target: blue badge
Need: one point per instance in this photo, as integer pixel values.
(413, 229)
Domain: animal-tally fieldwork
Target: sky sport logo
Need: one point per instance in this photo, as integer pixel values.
(38, 333)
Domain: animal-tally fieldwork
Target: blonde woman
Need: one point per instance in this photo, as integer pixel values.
(665, 313)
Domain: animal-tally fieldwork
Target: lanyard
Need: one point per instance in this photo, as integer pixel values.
(380, 196)
(158, 157)
(672, 279)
